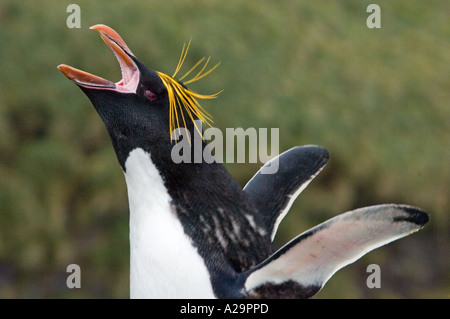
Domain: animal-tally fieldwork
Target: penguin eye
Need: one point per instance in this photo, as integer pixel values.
(150, 95)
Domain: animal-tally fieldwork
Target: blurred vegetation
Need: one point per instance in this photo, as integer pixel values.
(377, 99)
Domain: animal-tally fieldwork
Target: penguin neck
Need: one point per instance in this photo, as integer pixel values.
(162, 256)
(185, 171)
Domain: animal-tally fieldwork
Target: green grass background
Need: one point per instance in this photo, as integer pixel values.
(377, 99)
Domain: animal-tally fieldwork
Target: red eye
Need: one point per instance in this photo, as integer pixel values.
(150, 95)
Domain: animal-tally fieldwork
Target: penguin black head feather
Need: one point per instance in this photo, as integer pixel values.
(145, 107)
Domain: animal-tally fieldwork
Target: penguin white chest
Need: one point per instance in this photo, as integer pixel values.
(163, 261)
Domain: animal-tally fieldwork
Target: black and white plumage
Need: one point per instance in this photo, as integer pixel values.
(194, 232)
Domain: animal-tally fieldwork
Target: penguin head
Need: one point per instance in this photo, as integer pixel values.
(145, 107)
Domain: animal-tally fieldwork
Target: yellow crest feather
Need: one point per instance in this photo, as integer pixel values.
(180, 97)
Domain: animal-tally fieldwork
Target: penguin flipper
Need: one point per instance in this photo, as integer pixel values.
(304, 265)
(274, 193)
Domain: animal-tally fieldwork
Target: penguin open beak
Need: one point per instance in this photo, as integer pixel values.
(129, 69)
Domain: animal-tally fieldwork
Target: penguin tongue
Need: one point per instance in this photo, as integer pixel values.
(129, 69)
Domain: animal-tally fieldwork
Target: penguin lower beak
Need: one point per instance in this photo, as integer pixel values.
(129, 69)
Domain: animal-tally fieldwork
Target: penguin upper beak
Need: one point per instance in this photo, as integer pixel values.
(129, 69)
